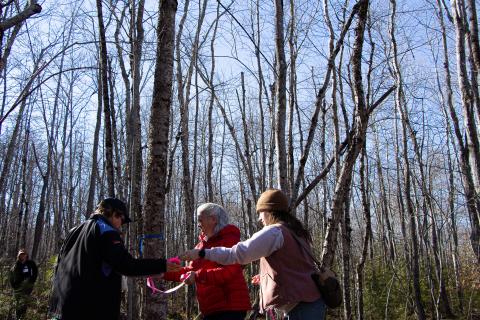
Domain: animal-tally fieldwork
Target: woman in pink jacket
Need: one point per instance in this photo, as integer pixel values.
(285, 265)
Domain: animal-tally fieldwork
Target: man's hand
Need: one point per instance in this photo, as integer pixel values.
(256, 279)
(172, 267)
(190, 255)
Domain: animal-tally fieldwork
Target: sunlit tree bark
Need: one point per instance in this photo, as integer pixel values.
(154, 205)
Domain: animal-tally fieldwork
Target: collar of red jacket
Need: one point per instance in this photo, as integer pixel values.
(229, 230)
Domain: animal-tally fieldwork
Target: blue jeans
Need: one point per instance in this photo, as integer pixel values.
(315, 310)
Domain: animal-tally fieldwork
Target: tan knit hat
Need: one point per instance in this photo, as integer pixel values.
(272, 200)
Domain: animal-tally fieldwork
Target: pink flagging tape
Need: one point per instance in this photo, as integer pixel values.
(151, 285)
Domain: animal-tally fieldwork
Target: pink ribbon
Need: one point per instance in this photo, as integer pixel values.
(151, 283)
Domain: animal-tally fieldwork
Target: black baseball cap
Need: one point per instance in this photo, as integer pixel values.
(118, 205)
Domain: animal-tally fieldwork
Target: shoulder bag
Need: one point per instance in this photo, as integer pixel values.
(325, 279)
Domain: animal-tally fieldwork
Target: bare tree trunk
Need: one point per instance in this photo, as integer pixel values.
(474, 51)
(44, 197)
(46, 188)
(209, 170)
(346, 253)
(195, 169)
(222, 153)
(471, 151)
(400, 104)
(9, 217)
(28, 197)
(368, 231)
(453, 226)
(58, 218)
(292, 97)
(386, 235)
(248, 155)
(261, 88)
(364, 174)
(281, 95)
(15, 208)
(94, 172)
(134, 150)
(158, 146)
(428, 208)
(336, 80)
(106, 102)
(468, 102)
(356, 143)
(71, 159)
(115, 137)
(451, 191)
(129, 126)
(443, 305)
(245, 217)
(401, 208)
(331, 45)
(183, 92)
(6, 171)
(23, 201)
(184, 98)
(137, 35)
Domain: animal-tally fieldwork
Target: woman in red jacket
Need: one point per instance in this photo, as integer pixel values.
(222, 292)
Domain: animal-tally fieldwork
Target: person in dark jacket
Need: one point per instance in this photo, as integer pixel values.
(22, 277)
(222, 292)
(87, 282)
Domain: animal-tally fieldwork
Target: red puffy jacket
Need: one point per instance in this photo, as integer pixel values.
(219, 287)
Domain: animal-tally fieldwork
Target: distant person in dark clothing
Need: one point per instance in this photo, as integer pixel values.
(22, 278)
(87, 282)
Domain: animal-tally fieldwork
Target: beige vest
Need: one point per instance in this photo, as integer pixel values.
(285, 275)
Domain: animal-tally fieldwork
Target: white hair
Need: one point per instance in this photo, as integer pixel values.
(214, 210)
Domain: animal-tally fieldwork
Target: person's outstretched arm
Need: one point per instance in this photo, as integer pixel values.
(114, 253)
(261, 244)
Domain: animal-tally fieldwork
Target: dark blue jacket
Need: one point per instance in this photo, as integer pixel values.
(87, 282)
